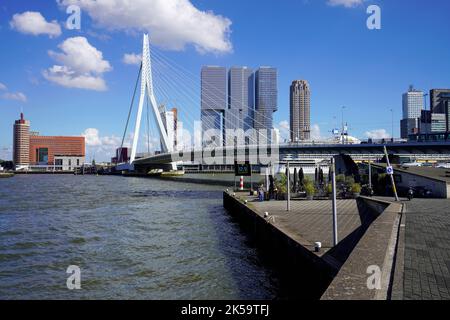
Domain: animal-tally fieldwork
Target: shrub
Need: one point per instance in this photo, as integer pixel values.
(356, 188)
(310, 189)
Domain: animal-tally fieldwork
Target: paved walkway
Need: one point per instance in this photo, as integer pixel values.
(311, 221)
(427, 250)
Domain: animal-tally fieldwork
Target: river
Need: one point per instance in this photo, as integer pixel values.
(132, 238)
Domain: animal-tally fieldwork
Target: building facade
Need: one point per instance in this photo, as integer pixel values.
(241, 98)
(21, 142)
(266, 98)
(44, 149)
(214, 102)
(413, 104)
(440, 103)
(300, 114)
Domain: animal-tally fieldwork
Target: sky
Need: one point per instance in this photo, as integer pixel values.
(80, 81)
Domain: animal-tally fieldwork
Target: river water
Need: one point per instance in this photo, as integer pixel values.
(132, 238)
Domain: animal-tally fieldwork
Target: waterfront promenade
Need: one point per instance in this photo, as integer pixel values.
(427, 250)
(367, 230)
(408, 240)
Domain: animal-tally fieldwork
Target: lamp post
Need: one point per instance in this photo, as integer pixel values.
(392, 114)
(342, 134)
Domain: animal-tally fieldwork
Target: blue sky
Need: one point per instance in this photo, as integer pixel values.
(328, 45)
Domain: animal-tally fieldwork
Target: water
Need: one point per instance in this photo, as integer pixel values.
(132, 238)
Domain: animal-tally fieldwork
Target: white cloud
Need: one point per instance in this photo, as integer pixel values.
(283, 126)
(172, 24)
(18, 96)
(101, 148)
(81, 65)
(6, 153)
(34, 23)
(345, 3)
(132, 58)
(315, 132)
(2, 86)
(377, 134)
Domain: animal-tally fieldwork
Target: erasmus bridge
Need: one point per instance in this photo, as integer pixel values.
(161, 80)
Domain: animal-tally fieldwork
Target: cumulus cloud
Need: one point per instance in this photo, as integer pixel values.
(31, 22)
(6, 153)
(132, 58)
(18, 96)
(101, 147)
(377, 134)
(345, 3)
(2, 86)
(80, 65)
(284, 128)
(172, 24)
(315, 132)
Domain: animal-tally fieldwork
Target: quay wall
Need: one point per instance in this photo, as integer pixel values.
(307, 275)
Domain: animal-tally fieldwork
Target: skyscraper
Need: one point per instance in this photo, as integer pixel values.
(21, 142)
(266, 95)
(300, 104)
(213, 103)
(413, 104)
(440, 103)
(241, 91)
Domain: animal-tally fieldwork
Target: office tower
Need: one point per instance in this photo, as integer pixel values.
(213, 104)
(266, 93)
(21, 142)
(408, 126)
(300, 104)
(440, 103)
(413, 104)
(241, 91)
(169, 120)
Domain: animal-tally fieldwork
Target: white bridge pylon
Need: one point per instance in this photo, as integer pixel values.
(147, 86)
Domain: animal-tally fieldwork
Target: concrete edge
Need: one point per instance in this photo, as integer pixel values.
(396, 292)
(389, 260)
(352, 286)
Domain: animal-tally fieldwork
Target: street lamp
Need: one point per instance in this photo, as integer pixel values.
(342, 134)
(392, 113)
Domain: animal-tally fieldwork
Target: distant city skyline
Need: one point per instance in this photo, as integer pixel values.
(54, 74)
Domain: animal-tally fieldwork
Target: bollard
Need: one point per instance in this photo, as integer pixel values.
(241, 183)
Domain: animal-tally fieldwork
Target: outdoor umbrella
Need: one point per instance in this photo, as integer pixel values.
(295, 180)
(301, 177)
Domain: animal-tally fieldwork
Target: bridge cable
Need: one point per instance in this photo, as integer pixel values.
(131, 105)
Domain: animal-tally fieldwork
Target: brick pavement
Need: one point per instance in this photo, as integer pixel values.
(427, 250)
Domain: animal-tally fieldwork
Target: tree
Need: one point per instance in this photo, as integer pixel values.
(301, 177)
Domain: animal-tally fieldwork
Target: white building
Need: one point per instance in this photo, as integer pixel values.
(413, 103)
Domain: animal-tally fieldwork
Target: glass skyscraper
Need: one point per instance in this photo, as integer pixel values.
(213, 103)
(413, 104)
(266, 95)
(241, 91)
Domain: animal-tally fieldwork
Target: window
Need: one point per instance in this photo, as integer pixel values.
(70, 162)
(78, 162)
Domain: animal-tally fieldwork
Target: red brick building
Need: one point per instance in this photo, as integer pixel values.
(43, 149)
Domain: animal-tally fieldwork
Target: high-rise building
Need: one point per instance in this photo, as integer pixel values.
(413, 104)
(266, 96)
(214, 102)
(440, 103)
(21, 142)
(408, 127)
(300, 104)
(241, 105)
(169, 120)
